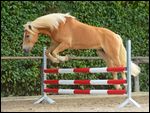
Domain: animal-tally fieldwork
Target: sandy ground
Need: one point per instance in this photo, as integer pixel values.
(76, 103)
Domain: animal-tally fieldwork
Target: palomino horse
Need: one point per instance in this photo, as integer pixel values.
(68, 33)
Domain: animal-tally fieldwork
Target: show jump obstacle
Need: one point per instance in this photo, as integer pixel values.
(127, 91)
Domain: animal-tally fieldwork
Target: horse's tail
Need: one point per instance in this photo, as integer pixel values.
(135, 69)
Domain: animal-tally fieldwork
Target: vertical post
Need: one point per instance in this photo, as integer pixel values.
(129, 89)
(129, 85)
(44, 67)
(136, 83)
(43, 86)
(43, 75)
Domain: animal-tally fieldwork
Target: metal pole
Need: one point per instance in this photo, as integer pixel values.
(129, 89)
(43, 75)
(129, 85)
(44, 67)
(43, 86)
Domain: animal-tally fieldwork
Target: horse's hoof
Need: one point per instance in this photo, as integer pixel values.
(56, 61)
(63, 58)
(66, 58)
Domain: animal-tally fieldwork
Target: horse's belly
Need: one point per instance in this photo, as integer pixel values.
(85, 46)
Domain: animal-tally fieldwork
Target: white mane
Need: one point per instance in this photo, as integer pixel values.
(49, 21)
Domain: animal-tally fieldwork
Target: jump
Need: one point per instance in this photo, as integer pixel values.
(66, 32)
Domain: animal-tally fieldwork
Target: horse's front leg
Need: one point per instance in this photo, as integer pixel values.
(49, 55)
(61, 47)
(53, 59)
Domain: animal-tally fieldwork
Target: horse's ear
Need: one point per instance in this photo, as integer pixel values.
(30, 27)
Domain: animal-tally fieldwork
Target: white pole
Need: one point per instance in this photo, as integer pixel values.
(44, 67)
(44, 77)
(129, 85)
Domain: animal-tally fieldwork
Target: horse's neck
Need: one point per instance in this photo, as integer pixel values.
(46, 31)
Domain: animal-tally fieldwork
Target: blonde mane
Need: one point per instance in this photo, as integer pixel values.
(51, 21)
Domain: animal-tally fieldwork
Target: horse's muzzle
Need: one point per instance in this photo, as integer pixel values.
(26, 50)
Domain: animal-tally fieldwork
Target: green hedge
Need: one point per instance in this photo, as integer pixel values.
(130, 19)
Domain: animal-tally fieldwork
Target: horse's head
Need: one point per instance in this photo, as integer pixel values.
(30, 37)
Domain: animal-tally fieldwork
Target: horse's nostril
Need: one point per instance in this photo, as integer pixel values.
(26, 50)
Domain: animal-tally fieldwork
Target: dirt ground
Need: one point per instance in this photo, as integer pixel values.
(76, 103)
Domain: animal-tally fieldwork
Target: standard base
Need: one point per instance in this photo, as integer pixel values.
(129, 100)
(44, 98)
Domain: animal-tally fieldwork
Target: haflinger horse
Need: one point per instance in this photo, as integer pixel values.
(66, 32)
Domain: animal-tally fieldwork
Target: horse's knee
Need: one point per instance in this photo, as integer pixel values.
(55, 54)
(52, 58)
(46, 52)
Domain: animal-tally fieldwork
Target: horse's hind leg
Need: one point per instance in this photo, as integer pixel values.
(116, 63)
(124, 78)
(103, 55)
(109, 63)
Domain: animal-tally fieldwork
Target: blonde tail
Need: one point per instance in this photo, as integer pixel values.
(135, 69)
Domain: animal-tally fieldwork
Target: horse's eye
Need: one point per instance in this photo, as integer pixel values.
(27, 36)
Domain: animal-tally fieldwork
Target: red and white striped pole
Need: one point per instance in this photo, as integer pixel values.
(86, 70)
(84, 82)
(79, 91)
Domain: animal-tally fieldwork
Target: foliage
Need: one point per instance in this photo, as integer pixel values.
(130, 19)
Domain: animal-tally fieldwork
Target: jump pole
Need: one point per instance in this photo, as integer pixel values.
(44, 95)
(129, 85)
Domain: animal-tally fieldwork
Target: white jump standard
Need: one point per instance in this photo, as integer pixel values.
(127, 92)
(129, 85)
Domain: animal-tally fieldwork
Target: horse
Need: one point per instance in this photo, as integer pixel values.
(66, 32)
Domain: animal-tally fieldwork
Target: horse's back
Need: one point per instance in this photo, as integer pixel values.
(84, 36)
